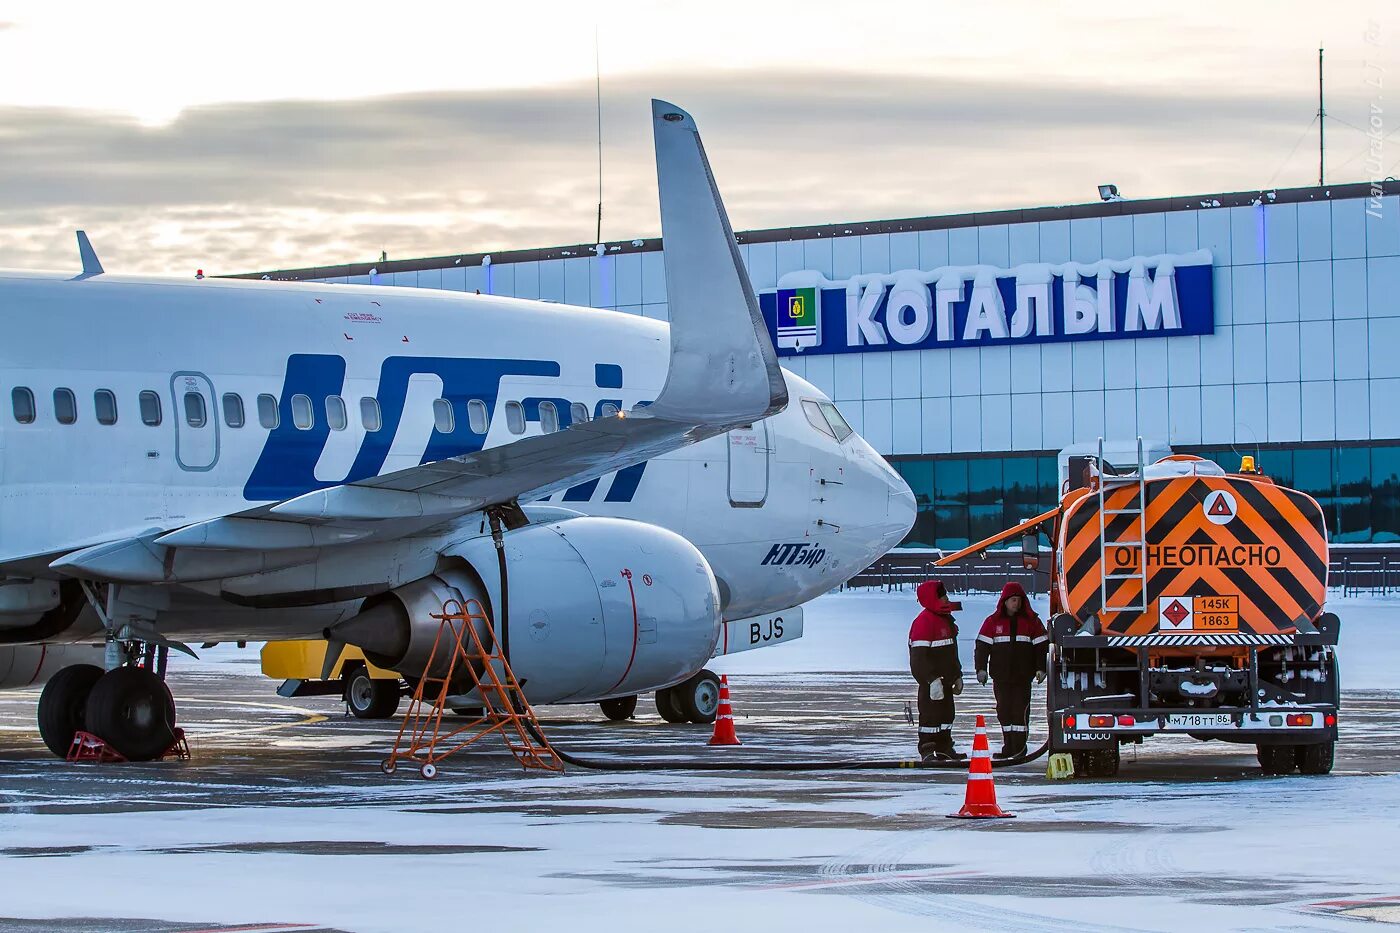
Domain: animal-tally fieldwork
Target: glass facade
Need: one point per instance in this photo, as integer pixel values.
(966, 499)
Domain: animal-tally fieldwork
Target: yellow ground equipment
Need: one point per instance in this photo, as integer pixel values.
(371, 692)
(1187, 600)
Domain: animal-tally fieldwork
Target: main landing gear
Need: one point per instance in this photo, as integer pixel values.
(695, 699)
(128, 707)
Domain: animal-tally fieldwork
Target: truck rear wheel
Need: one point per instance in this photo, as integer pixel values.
(1097, 762)
(1278, 759)
(370, 698)
(619, 708)
(1317, 759)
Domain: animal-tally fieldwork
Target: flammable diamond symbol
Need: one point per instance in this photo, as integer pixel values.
(1176, 612)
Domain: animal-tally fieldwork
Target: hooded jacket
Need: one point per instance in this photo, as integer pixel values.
(1012, 647)
(933, 638)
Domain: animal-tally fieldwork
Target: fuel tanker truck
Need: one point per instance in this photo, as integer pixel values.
(1186, 600)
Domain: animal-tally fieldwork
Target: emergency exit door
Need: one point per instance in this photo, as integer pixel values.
(196, 421)
(748, 466)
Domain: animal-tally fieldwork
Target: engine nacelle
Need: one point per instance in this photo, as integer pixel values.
(598, 607)
(30, 665)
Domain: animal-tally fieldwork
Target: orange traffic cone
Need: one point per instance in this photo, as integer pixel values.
(981, 801)
(724, 719)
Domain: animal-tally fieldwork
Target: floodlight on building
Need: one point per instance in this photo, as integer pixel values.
(1109, 193)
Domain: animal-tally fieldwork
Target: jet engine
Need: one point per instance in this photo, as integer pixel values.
(597, 607)
(27, 665)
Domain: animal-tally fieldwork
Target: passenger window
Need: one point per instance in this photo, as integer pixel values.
(609, 410)
(369, 414)
(22, 401)
(815, 418)
(105, 404)
(268, 415)
(335, 413)
(478, 418)
(233, 410)
(302, 416)
(442, 416)
(578, 413)
(838, 423)
(195, 415)
(65, 406)
(549, 417)
(150, 408)
(515, 418)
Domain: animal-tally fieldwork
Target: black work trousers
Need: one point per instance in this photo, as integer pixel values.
(1013, 704)
(935, 719)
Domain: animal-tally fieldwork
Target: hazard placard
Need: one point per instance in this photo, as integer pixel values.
(1175, 614)
(1220, 507)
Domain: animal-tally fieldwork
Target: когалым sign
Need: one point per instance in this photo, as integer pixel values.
(960, 306)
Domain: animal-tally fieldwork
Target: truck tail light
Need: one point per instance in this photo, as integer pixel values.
(1300, 719)
(1329, 720)
(1126, 721)
(1069, 722)
(1100, 722)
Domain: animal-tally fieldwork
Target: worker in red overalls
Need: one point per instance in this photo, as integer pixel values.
(933, 660)
(1013, 645)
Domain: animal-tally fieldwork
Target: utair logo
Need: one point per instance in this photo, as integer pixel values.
(801, 554)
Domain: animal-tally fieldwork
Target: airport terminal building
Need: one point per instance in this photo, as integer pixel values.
(972, 348)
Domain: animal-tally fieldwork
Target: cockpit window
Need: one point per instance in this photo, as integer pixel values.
(838, 423)
(813, 411)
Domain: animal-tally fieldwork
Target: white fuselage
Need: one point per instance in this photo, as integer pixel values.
(424, 367)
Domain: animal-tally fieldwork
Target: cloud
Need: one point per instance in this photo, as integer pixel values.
(245, 186)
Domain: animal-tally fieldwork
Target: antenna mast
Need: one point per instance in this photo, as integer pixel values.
(598, 98)
(1321, 131)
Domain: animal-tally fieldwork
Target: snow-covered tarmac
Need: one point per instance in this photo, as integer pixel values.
(283, 818)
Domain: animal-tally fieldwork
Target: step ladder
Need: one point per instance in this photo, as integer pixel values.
(1110, 579)
(459, 652)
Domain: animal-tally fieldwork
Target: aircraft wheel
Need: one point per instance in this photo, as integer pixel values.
(63, 706)
(132, 710)
(369, 698)
(667, 706)
(1317, 759)
(619, 708)
(698, 697)
(1277, 759)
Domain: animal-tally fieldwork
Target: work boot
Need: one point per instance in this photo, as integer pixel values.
(943, 749)
(1015, 745)
(1008, 742)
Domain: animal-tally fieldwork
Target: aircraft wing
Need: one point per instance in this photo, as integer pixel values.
(723, 373)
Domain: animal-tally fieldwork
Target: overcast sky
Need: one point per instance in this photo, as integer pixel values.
(251, 136)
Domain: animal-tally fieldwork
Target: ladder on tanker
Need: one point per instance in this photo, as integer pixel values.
(465, 633)
(1109, 578)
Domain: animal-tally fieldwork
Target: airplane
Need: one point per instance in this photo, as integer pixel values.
(234, 459)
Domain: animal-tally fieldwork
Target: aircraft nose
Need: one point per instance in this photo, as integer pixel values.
(901, 509)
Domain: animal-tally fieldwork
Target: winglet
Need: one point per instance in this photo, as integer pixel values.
(723, 365)
(91, 264)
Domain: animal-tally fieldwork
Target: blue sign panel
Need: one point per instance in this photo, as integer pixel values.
(964, 306)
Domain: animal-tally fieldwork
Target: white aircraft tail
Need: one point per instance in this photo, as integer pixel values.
(723, 365)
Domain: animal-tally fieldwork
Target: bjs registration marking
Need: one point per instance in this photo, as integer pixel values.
(1199, 721)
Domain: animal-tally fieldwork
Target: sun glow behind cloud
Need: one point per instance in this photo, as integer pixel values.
(261, 134)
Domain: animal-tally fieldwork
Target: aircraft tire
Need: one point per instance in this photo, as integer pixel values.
(132, 710)
(698, 698)
(667, 706)
(1317, 759)
(369, 698)
(1277, 759)
(619, 709)
(63, 706)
